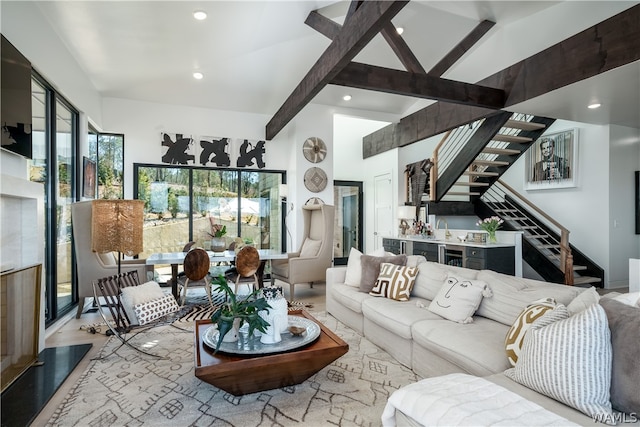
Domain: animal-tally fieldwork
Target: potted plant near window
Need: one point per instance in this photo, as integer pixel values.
(234, 312)
(218, 243)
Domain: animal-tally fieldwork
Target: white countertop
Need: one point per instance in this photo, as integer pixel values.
(505, 238)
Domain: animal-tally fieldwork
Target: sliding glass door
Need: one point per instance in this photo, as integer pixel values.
(55, 144)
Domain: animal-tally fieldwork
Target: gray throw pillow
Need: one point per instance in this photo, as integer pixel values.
(624, 323)
(371, 269)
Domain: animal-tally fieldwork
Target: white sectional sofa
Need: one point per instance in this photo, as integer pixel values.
(433, 346)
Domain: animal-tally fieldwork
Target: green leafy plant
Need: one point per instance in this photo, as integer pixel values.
(246, 309)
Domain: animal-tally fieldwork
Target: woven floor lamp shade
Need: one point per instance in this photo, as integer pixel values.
(116, 225)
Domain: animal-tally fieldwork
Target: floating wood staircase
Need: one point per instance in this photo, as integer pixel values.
(546, 246)
(472, 157)
(463, 179)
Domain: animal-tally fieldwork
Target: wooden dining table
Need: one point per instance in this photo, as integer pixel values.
(177, 258)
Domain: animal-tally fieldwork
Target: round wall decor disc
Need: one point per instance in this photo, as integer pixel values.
(314, 149)
(315, 179)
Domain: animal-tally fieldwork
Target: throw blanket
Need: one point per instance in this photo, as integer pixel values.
(460, 399)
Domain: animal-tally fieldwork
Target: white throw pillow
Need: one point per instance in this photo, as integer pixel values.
(569, 360)
(583, 301)
(135, 295)
(459, 298)
(149, 311)
(353, 275)
(310, 248)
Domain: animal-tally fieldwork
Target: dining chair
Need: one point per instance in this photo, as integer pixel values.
(247, 263)
(196, 271)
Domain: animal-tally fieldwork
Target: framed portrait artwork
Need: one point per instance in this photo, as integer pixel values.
(552, 161)
(88, 178)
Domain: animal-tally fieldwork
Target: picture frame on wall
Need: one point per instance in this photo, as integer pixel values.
(89, 181)
(552, 161)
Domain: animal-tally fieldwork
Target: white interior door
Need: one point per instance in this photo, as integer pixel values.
(383, 214)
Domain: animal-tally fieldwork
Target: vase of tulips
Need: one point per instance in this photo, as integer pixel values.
(490, 225)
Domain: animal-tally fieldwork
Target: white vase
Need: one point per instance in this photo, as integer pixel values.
(232, 334)
(277, 316)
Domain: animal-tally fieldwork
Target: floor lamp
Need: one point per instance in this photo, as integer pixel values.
(116, 225)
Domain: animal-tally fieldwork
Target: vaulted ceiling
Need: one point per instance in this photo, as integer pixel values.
(254, 53)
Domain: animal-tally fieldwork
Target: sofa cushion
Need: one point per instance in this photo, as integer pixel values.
(349, 296)
(371, 269)
(569, 360)
(583, 301)
(396, 316)
(515, 336)
(459, 298)
(624, 324)
(512, 294)
(631, 298)
(432, 275)
(394, 281)
(354, 266)
(477, 348)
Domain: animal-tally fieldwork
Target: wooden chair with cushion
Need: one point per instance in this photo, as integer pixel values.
(247, 263)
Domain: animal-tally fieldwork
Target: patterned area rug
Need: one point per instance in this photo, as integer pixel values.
(127, 388)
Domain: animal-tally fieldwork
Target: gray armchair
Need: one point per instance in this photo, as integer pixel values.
(91, 265)
(309, 264)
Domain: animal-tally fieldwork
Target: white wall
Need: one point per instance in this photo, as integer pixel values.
(349, 165)
(624, 243)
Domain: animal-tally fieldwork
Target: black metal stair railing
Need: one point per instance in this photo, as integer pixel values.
(546, 246)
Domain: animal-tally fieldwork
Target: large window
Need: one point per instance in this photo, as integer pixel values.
(107, 151)
(55, 144)
(181, 203)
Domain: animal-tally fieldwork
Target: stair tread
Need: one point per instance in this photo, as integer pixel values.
(536, 236)
(471, 184)
(462, 193)
(583, 280)
(548, 246)
(505, 151)
(490, 162)
(519, 124)
(474, 173)
(505, 210)
(516, 218)
(579, 267)
(511, 138)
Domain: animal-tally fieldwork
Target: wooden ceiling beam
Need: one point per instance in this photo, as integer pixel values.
(612, 43)
(357, 32)
(325, 26)
(371, 77)
(461, 48)
(401, 49)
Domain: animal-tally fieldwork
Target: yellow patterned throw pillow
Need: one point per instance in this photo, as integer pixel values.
(515, 336)
(394, 282)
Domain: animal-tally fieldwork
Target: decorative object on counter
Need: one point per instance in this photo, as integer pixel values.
(218, 243)
(278, 303)
(246, 309)
(405, 213)
(314, 149)
(490, 225)
(477, 237)
(422, 228)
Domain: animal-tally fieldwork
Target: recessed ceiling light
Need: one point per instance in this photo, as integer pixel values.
(400, 30)
(347, 97)
(594, 105)
(200, 15)
(198, 75)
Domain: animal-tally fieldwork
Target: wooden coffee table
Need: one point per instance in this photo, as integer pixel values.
(248, 374)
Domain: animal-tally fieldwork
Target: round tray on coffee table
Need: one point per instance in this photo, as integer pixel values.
(253, 346)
